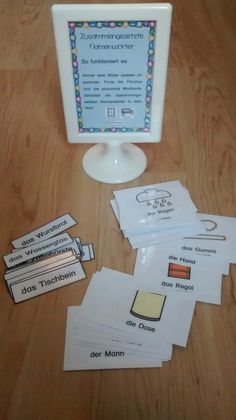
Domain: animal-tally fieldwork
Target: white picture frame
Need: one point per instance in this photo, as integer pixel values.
(63, 16)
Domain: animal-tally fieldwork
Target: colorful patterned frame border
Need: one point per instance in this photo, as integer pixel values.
(150, 67)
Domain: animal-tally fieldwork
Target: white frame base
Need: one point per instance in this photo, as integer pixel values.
(114, 163)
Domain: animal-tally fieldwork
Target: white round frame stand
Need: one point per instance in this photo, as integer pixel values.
(114, 163)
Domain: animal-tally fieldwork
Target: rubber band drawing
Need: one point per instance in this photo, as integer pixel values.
(210, 225)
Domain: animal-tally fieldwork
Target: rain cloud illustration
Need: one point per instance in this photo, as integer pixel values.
(154, 198)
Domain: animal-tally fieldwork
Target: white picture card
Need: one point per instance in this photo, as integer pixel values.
(86, 357)
(119, 308)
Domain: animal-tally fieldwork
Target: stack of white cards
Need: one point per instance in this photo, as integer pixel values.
(45, 259)
(192, 267)
(124, 322)
(133, 321)
(153, 213)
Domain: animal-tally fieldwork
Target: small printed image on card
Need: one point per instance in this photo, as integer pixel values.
(148, 306)
(179, 271)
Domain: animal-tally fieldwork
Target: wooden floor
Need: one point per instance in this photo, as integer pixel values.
(41, 178)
